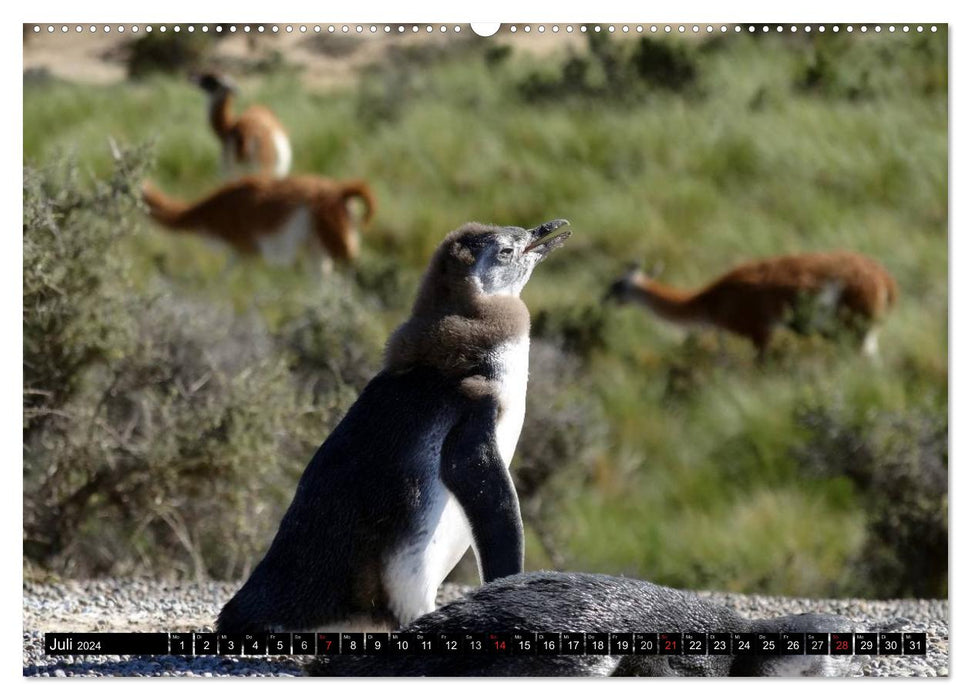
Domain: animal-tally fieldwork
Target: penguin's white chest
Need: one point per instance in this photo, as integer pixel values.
(512, 360)
(412, 575)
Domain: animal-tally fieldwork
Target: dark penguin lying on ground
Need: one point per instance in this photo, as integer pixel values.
(566, 602)
(417, 471)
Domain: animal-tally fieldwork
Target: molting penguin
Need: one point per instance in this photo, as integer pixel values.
(417, 471)
(543, 601)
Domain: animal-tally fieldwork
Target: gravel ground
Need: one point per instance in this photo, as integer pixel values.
(145, 605)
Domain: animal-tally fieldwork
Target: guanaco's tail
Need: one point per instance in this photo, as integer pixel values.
(166, 210)
(359, 188)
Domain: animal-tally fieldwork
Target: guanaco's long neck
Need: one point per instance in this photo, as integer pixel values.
(221, 113)
(667, 302)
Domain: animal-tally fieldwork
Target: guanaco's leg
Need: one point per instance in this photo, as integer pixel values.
(870, 346)
(760, 339)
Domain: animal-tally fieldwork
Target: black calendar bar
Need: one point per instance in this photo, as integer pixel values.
(95, 644)
(303, 643)
(281, 643)
(695, 644)
(494, 643)
(523, 643)
(792, 643)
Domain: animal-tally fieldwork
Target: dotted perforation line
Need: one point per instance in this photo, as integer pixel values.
(721, 28)
(442, 28)
(244, 28)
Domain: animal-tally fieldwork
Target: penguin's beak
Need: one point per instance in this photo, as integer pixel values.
(542, 240)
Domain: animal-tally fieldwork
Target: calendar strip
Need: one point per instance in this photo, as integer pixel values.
(494, 643)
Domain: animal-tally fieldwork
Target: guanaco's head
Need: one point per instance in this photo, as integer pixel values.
(623, 289)
(214, 84)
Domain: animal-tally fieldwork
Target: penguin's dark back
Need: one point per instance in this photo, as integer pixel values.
(577, 602)
(583, 602)
(374, 470)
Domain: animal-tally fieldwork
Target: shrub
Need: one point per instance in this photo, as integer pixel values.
(898, 464)
(385, 281)
(334, 45)
(688, 371)
(72, 316)
(496, 54)
(384, 93)
(387, 89)
(843, 66)
(163, 433)
(168, 458)
(613, 70)
(579, 330)
(170, 52)
(927, 72)
(564, 430)
(829, 72)
(334, 344)
(664, 65)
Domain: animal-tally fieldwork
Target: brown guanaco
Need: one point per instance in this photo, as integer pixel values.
(272, 217)
(755, 297)
(253, 141)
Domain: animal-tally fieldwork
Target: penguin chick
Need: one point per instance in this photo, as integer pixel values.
(546, 601)
(417, 471)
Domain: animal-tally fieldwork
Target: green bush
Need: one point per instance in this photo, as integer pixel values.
(169, 52)
(334, 346)
(898, 464)
(664, 65)
(167, 460)
(826, 73)
(163, 432)
(563, 433)
(74, 312)
(614, 70)
(387, 89)
(577, 329)
(845, 67)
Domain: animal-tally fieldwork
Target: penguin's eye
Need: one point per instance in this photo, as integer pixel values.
(505, 253)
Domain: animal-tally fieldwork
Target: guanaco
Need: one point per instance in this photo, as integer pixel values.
(272, 217)
(253, 141)
(754, 298)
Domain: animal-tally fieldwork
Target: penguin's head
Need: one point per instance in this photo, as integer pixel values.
(468, 302)
(498, 260)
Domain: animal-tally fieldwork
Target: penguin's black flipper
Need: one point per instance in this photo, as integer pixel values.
(473, 470)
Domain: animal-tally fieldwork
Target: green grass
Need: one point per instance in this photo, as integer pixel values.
(698, 486)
